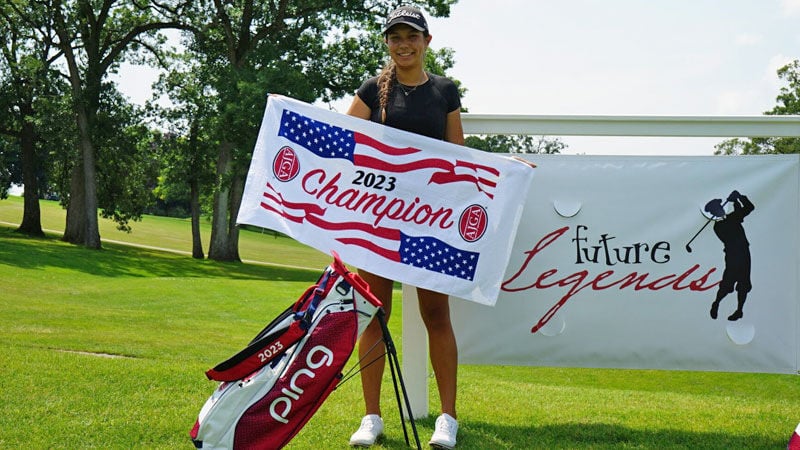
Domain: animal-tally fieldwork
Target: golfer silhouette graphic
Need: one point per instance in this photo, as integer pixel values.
(730, 231)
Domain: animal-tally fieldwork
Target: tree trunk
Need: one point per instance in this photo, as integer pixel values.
(194, 191)
(197, 243)
(92, 237)
(86, 101)
(31, 214)
(237, 191)
(75, 228)
(82, 224)
(219, 249)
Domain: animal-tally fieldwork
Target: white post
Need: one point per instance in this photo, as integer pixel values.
(415, 354)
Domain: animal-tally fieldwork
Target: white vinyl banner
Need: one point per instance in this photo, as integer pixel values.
(618, 264)
(407, 207)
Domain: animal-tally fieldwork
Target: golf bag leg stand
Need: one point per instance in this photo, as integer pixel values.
(397, 377)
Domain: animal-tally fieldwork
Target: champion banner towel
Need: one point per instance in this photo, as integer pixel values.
(407, 207)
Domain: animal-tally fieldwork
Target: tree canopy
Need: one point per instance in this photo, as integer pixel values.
(788, 102)
(518, 143)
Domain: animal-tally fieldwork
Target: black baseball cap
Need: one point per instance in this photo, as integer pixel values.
(408, 15)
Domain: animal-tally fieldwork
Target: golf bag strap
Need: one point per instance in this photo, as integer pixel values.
(256, 355)
(271, 343)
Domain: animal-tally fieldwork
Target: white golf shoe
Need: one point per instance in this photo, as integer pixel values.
(369, 431)
(444, 435)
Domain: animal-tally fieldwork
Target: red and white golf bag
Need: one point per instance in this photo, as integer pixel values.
(271, 389)
(794, 441)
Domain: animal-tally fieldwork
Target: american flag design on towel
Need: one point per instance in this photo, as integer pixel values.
(330, 141)
(425, 252)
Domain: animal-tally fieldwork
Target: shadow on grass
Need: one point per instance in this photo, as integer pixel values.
(604, 436)
(115, 260)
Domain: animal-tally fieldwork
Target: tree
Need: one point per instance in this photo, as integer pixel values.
(27, 83)
(94, 37)
(520, 143)
(128, 160)
(308, 50)
(788, 103)
(187, 148)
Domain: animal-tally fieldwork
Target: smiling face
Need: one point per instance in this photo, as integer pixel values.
(407, 46)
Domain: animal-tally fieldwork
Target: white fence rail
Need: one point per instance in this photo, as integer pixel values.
(664, 126)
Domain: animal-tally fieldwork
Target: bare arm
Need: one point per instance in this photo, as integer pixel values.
(359, 109)
(454, 132)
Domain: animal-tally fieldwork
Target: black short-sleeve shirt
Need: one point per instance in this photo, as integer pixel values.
(422, 111)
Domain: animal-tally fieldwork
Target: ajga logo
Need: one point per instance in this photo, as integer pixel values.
(473, 223)
(285, 166)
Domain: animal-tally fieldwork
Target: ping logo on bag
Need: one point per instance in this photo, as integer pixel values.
(294, 391)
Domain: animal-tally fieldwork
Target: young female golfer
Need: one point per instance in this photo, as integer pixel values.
(404, 96)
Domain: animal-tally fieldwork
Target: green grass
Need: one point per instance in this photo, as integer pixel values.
(176, 234)
(107, 349)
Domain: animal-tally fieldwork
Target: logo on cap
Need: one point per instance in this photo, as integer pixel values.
(404, 13)
(407, 15)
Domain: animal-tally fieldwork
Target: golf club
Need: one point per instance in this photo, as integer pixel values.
(710, 219)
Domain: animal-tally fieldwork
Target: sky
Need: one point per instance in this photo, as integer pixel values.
(612, 57)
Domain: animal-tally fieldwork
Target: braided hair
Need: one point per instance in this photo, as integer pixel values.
(386, 83)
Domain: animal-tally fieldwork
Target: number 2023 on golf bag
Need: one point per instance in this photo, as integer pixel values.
(269, 390)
